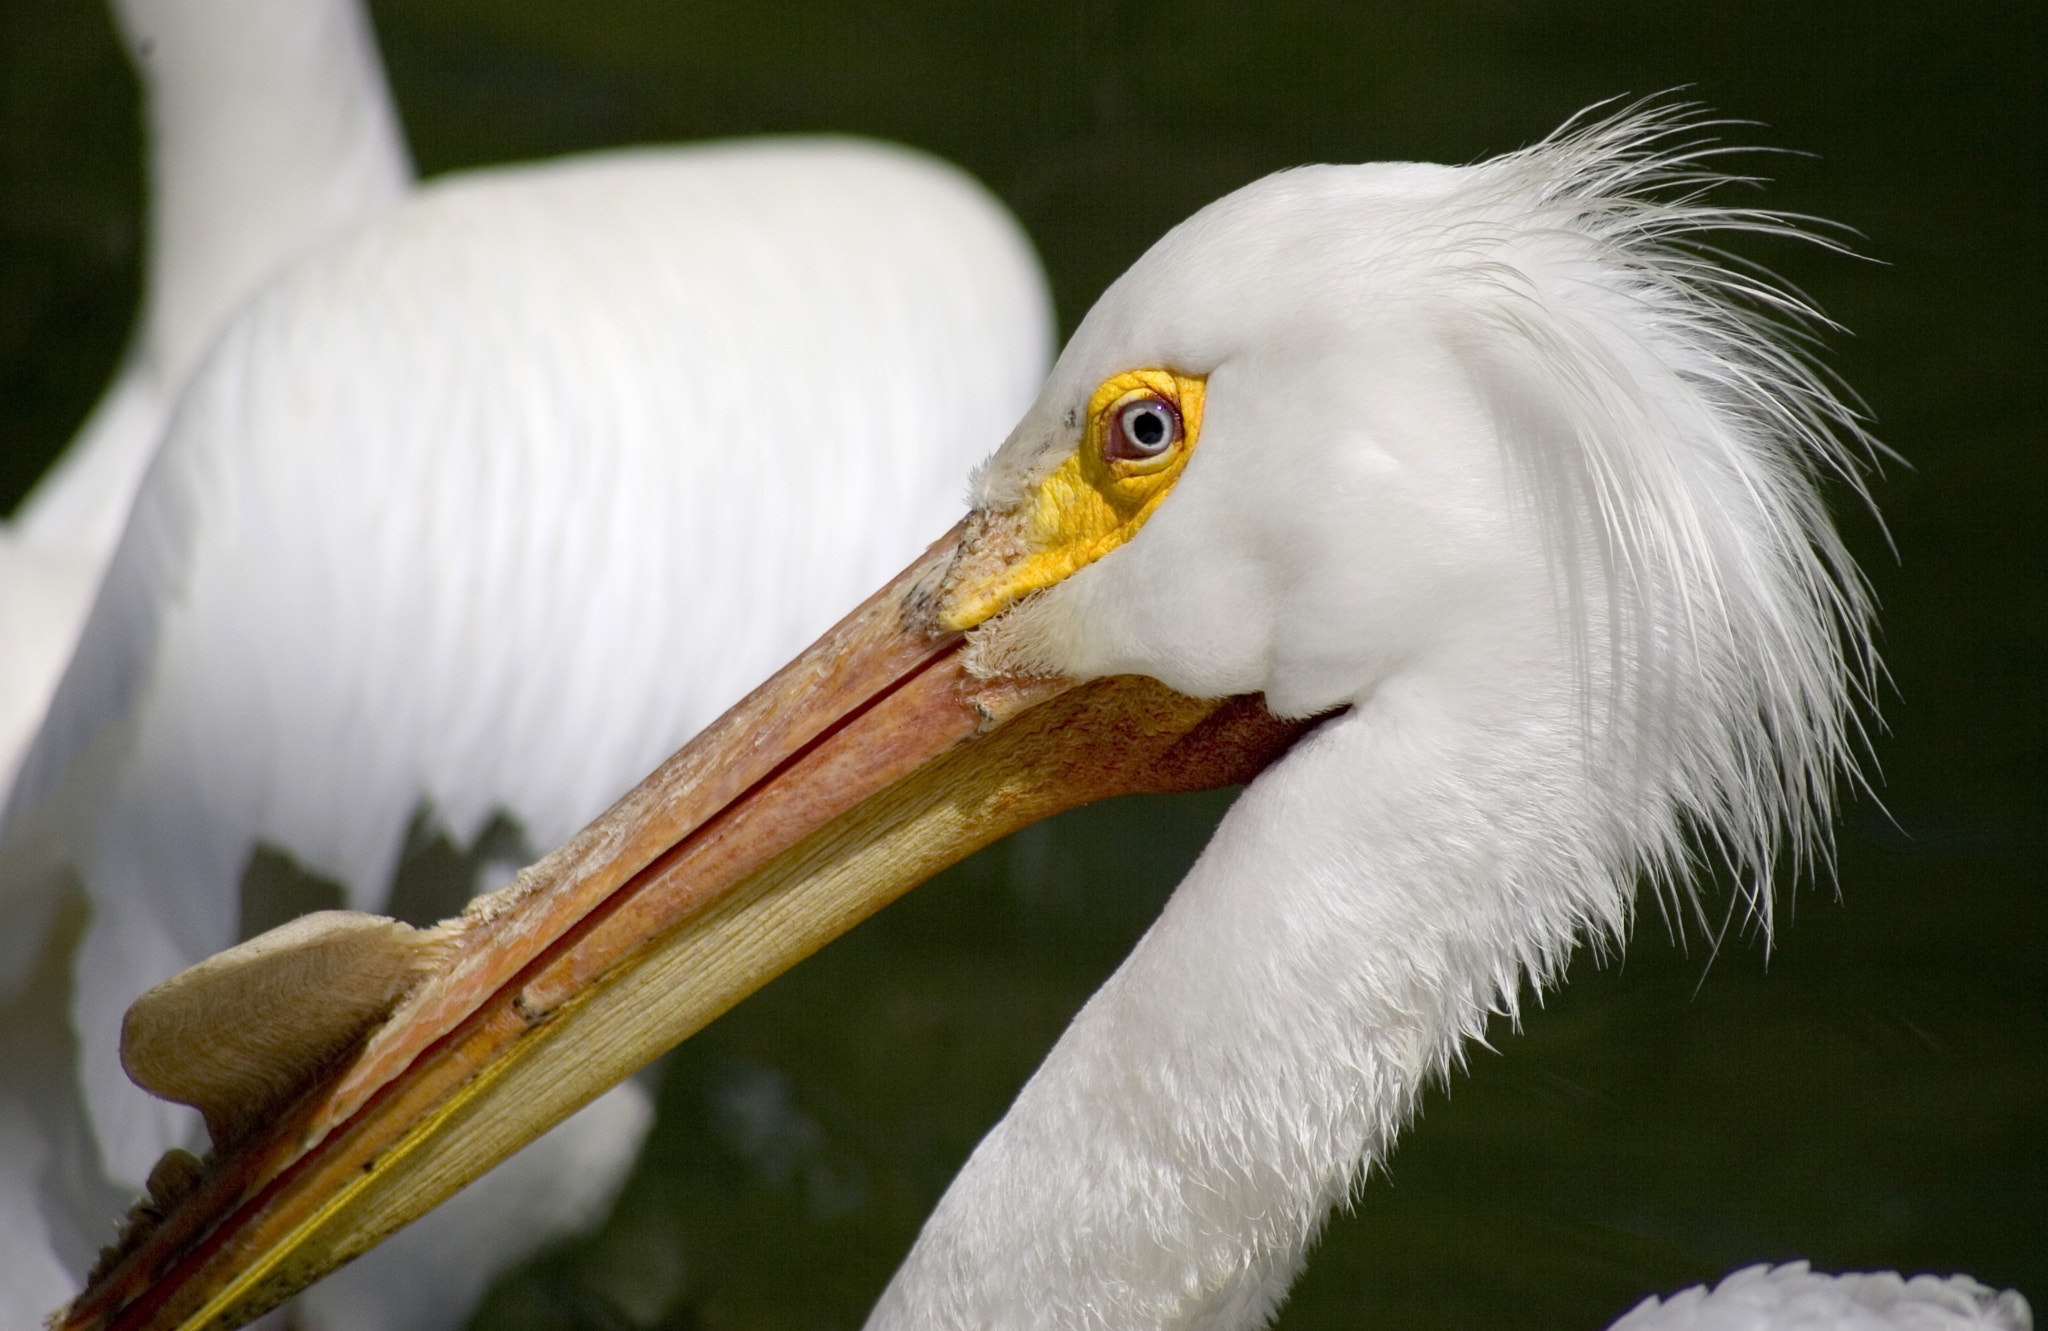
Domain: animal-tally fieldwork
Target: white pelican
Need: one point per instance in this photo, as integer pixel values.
(270, 131)
(1474, 510)
(465, 513)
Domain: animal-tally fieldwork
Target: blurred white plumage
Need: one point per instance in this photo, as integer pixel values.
(1794, 1297)
(269, 131)
(481, 509)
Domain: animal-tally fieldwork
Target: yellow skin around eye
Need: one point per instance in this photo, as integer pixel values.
(1090, 504)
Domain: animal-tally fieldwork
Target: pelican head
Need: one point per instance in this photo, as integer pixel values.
(1475, 511)
(1502, 431)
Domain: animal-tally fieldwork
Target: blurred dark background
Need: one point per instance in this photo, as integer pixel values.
(1871, 1093)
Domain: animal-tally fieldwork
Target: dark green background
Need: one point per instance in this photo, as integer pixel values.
(1875, 1093)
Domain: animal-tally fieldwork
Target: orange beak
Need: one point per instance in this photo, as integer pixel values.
(868, 764)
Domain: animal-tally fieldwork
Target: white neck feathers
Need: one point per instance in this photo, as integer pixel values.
(1348, 927)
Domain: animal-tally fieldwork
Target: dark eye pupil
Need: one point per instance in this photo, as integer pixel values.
(1144, 429)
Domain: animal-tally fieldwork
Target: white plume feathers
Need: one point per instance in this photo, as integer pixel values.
(1699, 430)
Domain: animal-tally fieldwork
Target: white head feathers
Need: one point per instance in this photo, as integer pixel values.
(1663, 427)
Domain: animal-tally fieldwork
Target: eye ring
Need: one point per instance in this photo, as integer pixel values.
(1143, 429)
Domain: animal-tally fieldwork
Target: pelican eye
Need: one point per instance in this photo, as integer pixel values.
(1143, 430)
(1142, 426)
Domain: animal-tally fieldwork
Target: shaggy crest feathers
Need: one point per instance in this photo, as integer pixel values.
(1723, 630)
(1697, 468)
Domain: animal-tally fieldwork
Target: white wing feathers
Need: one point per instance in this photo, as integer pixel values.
(492, 505)
(270, 131)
